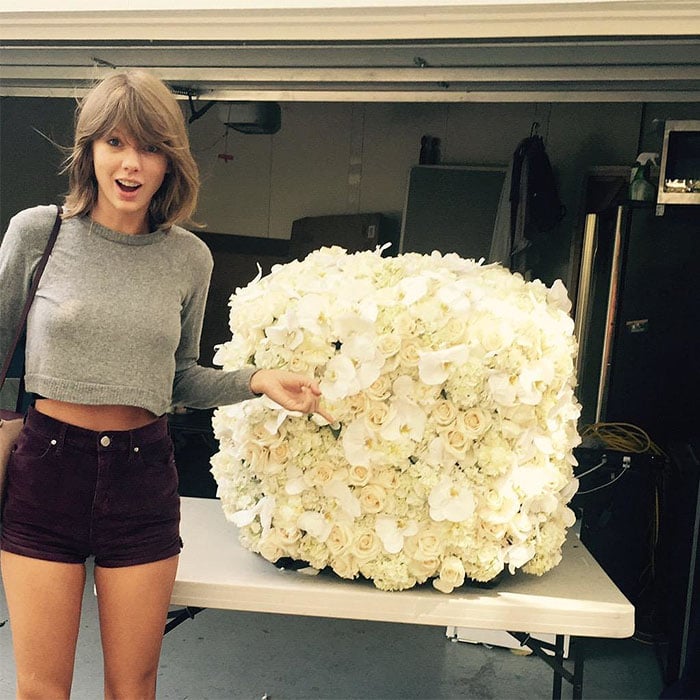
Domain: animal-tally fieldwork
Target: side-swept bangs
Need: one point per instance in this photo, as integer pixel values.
(141, 105)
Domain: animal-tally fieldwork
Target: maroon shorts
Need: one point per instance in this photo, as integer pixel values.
(72, 493)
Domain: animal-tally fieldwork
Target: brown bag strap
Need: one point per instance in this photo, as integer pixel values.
(30, 298)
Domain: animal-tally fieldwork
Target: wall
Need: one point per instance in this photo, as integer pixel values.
(344, 158)
(29, 162)
(307, 168)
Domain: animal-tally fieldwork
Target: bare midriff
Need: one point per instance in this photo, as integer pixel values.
(98, 418)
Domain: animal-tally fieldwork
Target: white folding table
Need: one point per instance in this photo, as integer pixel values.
(576, 598)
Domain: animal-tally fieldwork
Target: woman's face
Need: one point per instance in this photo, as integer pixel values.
(128, 175)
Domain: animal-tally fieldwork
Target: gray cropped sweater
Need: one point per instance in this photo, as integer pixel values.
(117, 318)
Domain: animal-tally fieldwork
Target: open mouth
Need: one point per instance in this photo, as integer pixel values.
(128, 185)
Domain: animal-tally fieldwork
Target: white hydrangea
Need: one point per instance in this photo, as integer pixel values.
(453, 384)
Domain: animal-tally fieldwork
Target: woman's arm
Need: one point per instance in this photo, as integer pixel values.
(293, 391)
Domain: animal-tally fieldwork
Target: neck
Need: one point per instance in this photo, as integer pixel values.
(132, 225)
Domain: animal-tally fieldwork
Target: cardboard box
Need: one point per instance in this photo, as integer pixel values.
(500, 638)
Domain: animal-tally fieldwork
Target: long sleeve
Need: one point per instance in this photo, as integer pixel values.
(20, 252)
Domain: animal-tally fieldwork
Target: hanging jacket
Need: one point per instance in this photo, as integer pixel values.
(528, 208)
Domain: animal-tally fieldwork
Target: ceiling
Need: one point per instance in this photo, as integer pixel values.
(630, 69)
(500, 51)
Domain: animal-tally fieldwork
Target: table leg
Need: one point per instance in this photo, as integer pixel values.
(559, 660)
(556, 662)
(578, 653)
(177, 617)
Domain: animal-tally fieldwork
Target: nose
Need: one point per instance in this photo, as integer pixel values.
(131, 158)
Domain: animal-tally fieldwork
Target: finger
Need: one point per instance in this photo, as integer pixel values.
(313, 387)
(311, 398)
(326, 416)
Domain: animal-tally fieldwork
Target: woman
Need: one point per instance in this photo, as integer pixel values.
(112, 343)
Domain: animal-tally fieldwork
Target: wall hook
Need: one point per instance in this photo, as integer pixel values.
(197, 113)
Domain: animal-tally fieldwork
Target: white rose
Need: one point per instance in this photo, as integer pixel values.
(366, 545)
(451, 575)
(500, 504)
(320, 474)
(476, 421)
(345, 565)
(456, 440)
(280, 453)
(257, 457)
(422, 569)
(372, 498)
(260, 433)
(493, 335)
(490, 555)
(410, 353)
(359, 474)
(444, 412)
(356, 404)
(388, 344)
(378, 414)
(429, 544)
(454, 331)
(270, 548)
(379, 389)
(339, 539)
(427, 394)
(298, 364)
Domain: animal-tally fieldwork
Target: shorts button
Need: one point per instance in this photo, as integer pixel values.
(105, 441)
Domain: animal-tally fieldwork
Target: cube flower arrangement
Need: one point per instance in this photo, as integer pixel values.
(452, 383)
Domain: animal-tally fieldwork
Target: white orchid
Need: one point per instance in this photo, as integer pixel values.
(450, 501)
(453, 383)
(392, 534)
(341, 379)
(407, 421)
(434, 366)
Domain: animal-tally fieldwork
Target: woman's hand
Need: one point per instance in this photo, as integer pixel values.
(291, 390)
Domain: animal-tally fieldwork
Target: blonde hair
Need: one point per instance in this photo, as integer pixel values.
(142, 105)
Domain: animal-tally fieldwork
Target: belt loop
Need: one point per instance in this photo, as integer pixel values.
(61, 438)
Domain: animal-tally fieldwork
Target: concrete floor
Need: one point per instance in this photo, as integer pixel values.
(224, 655)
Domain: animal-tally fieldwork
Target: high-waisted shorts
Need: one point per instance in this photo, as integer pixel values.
(72, 493)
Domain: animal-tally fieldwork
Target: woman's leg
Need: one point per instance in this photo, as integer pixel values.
(133, 603)
(44, 599)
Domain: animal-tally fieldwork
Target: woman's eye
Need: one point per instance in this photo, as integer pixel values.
(151, 149)
(113, 141)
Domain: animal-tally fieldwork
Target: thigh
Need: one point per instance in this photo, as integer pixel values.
(133, 604)
(44, 599)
